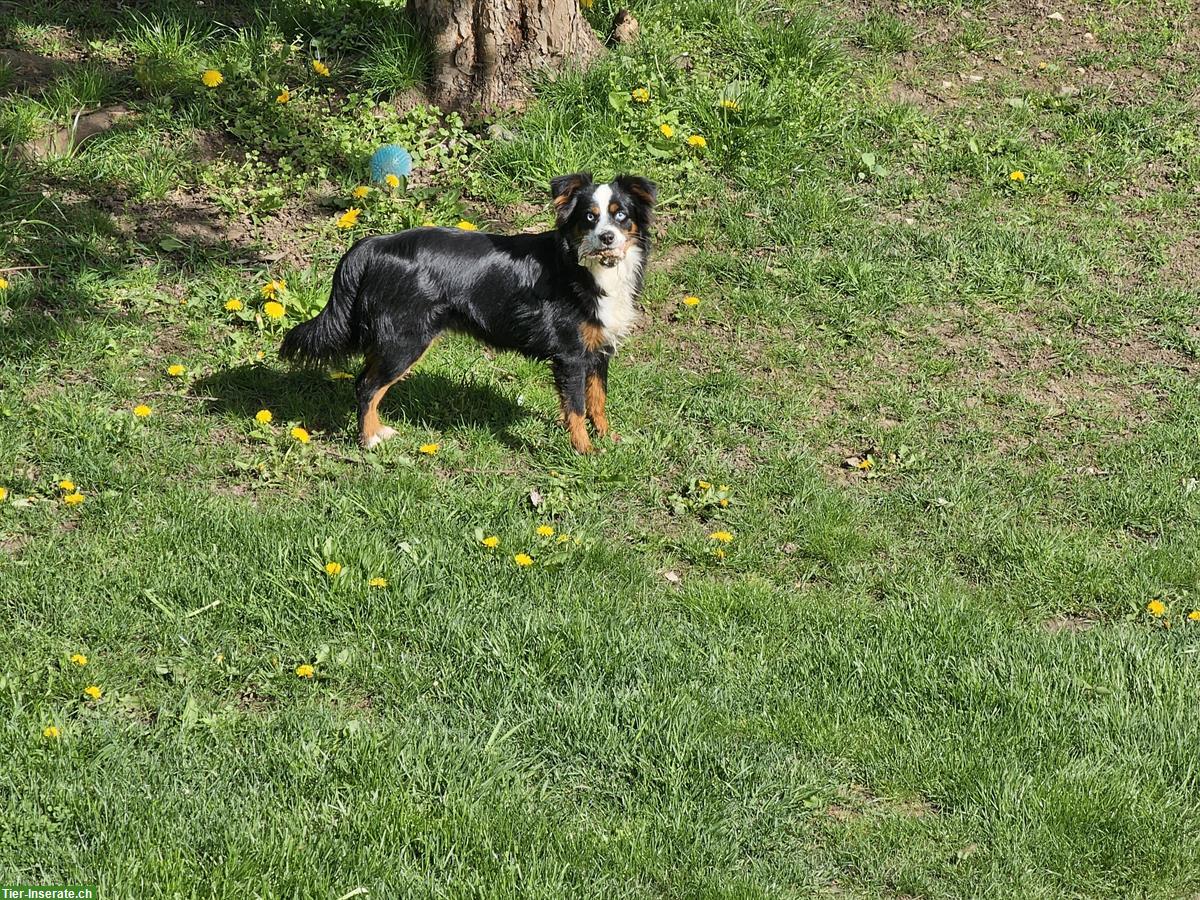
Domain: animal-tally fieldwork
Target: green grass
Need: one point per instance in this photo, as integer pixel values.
(931, 676)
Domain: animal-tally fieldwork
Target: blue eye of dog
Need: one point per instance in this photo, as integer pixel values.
(621, 217)
(591, 217)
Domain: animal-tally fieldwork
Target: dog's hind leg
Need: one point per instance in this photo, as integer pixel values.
(382, 370)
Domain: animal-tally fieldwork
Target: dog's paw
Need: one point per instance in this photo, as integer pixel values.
(374, 440)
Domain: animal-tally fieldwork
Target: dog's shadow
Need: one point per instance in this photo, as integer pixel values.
(424, 399)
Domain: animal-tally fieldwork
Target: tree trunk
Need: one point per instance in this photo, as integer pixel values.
(483, 52)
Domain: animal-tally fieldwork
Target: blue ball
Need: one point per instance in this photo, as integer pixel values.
(390, 159)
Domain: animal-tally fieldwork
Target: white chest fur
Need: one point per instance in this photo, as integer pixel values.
(617, 284)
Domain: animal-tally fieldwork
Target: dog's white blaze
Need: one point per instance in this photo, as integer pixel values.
(601, 197)
(617, 285)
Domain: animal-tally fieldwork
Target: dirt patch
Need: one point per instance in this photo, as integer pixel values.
(183, 221)
(1181, 270)
(13, 544)
(250, 700)
(1069, 622)
(84, 128)
(1048, 46)
(30, 72)
(857, 801)
(675, 256)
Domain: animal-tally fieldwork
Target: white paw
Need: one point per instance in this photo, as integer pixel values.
(379, 437)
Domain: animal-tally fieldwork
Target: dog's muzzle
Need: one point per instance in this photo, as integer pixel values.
(606, 247)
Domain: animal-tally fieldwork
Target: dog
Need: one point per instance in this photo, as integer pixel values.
(566, 296)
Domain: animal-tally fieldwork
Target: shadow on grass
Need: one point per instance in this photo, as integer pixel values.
(424, 399)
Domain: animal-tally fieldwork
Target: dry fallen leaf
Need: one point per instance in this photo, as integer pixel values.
(672, 577)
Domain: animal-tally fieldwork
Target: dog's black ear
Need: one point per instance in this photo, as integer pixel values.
(642, 188)
(564, 188)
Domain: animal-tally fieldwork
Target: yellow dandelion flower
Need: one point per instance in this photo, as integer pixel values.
(491, 542)
(263, 416)
(3, 493)
(142, 411)
(284, 96)
(50, 732)
(703, 485)
(724, 502)
(719, 553)
(723, 536)
(696, 140)
(1194, 615)
(867, 463)
(587, 4)
(233, 304)
(727, 103)
(349, 218)
(429, 224)
(391, 180)
(641, 95)
(93, 691)
(723, 488)
(563, 538)
(3, 283)
(1156, 608)
(667, 130)
(691, 300)
(1017, 175)
(73, 499)
(523, 559)
(67, 485)
(361, 191)
(300, 434)
(79, 659)
(274, 309)
(467, 226)
(212, 78)
(320, 68)
(176, 370)
(333, 568)
(545, 531)
(429, 449)
(378, 582)
(305, 671)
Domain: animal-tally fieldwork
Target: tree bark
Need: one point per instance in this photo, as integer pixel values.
(483, 52)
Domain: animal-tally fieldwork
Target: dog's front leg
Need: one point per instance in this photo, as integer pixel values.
(596, 395)
(570, 377)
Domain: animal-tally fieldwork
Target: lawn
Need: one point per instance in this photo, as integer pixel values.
(884, 592)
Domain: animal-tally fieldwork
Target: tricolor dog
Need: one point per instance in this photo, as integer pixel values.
(567, 296)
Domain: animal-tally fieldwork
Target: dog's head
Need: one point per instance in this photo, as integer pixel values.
(602, 222)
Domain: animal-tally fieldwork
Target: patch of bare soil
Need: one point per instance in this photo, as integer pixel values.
(30, 72)
(183, 216)
(1059, 46)
(1069, 622)
(82, 128)
(1182, 267)
(856, 801)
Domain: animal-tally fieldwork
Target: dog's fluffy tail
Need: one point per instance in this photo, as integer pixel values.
(333, 333)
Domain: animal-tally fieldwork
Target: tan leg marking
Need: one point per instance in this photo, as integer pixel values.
(596, 398)
(578, 431)
(375, 432)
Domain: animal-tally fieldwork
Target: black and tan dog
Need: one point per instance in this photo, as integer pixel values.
(565, 296)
